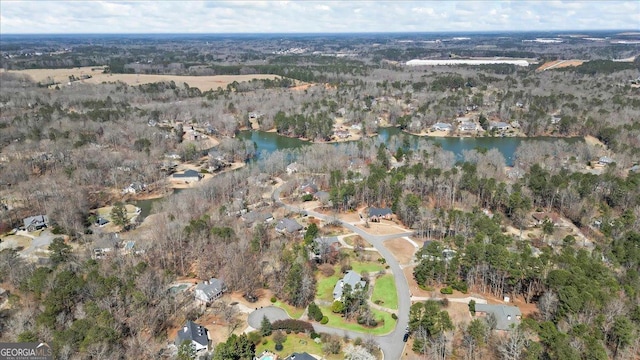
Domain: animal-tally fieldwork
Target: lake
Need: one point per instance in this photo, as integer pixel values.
(271, 141)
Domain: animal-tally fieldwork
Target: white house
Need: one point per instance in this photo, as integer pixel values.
(196, 335)
(209, 290)
(292, 168)
(442, 127)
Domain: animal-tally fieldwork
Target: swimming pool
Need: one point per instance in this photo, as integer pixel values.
(267, 357)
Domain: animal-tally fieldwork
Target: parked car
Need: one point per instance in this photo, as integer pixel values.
(406, 337)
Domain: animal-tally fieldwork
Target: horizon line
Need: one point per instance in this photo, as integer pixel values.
(329, 32)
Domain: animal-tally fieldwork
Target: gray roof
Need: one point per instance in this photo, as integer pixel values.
(505, 315)
(187, 174)
(253, 216)
(498, 124)
(289, 225)
(192, 332)
(38, 220)
(606, 160)
(322, 196)
(352, 278)
(300, 356)
(379, 211)
(442, 126)
(212, 289)
(327, 240)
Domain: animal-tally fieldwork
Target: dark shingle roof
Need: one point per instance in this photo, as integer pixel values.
(187, 174)
(300, 356)
(379, 211)
(192, 332)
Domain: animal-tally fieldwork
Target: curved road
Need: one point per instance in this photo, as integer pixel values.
(390, 344)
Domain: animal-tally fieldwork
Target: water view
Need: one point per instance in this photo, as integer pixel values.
(270, 141)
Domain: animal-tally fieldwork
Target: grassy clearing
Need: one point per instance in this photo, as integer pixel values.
(366, 267)
(294, 312)
(295, 343)
(337, 321)
(385, 292)
(356, 239)
(325, 285)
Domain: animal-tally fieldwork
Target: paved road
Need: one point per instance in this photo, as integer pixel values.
(391, 344)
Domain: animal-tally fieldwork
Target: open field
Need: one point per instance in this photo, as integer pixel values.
(559, 64)
(203, 83)
(401, 249)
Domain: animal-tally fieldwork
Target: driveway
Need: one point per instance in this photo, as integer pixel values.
(391, 344)
(271, 312)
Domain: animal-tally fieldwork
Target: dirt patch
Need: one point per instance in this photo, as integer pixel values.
(382, 228)
(203, 83)
(459, 314)
(401, 249)
(560, 64)
(593, 141)
(15, 242)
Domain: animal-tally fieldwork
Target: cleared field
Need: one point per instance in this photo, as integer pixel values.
(559, 64)
(203, 83)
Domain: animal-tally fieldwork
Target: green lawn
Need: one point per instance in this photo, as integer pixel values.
(368, 267)
(337, 321)
(295, 343)
(384, 291)
(325, 285)
(293, 311)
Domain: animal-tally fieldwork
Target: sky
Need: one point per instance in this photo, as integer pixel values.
(302, 16)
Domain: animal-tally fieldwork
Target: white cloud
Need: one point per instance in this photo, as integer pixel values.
(111, 16)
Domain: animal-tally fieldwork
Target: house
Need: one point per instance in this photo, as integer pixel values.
(292, 168)
(134, 188)
(498, 125)
(352, 279)
(605, 160)
(196, 335)
(3, 294)
(324, 246)
(322, 196)
(129, 247)
(209, 290)
(188, 176)
(468, 126)
(541, 217)
(288, 226)
(257, 216)
(635, 168)
(37, 222)
(507, 317)
(300, 356)
(442, 127)
(376, 214)
(100, 221)
(309, 188)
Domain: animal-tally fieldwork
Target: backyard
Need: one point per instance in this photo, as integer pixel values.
(295, 343)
